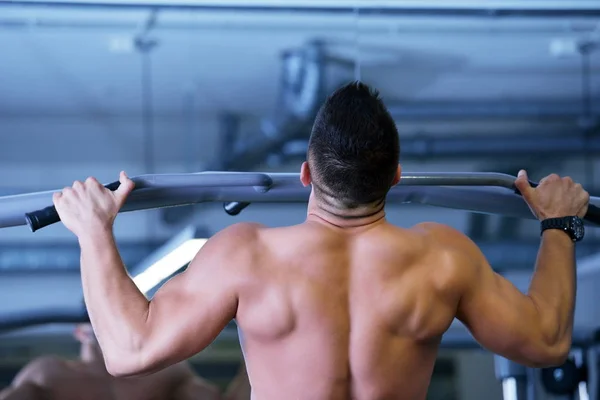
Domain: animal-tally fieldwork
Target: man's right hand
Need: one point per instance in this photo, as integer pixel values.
(554, 197)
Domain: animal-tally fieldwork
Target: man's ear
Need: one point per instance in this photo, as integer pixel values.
(397, 175)
(305, 177)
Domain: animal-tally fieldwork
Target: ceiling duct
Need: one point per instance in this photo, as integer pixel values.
(487, 110)
(302, 89)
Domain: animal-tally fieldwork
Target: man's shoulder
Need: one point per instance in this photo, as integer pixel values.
(443, 234)
(459, 249)
(236, 240)
(41, 370)
(239, 231)
(453, 245)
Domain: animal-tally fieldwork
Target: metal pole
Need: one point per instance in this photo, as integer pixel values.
(513, 377)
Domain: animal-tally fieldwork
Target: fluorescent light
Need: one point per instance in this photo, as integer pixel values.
(168, 259)
(168, 265)
(583, 391)
(509, 389)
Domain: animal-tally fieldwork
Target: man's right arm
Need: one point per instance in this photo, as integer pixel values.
(536, 328)
(533, 329)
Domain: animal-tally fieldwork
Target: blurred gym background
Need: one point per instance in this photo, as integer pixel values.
(94, 87)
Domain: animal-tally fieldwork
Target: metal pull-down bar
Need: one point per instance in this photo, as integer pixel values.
(483, 192)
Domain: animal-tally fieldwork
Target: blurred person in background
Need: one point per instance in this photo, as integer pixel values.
(50, 378)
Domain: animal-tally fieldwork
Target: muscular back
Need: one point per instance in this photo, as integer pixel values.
(338, 314)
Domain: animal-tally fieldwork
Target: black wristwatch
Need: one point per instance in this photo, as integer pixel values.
(572, 226)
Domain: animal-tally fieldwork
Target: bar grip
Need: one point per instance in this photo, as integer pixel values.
(593, 212)
(233, 208)
(42, 218)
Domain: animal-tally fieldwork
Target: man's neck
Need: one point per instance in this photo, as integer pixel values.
(323, 211)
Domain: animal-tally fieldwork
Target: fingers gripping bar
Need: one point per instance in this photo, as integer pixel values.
(483, 192)
(48, 216)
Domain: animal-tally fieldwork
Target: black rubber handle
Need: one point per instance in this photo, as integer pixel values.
(48, 216)
(235, 207)
(593, 212)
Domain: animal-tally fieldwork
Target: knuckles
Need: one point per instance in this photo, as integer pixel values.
(78, 186)
(92, 182)
(567, 180)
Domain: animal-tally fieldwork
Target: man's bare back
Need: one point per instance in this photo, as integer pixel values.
(358, 313)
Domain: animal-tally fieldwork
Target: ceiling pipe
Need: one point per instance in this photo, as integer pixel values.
(481, 146)
(559, 8)
(487, 109)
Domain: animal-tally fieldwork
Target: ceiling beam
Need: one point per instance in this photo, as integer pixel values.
(483, 8)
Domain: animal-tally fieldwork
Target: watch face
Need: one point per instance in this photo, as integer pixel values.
(577, 228)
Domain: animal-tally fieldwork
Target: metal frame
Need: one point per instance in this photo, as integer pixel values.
(513, 377)
(483, 192)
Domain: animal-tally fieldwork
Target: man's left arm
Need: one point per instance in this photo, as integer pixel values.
(138, 336)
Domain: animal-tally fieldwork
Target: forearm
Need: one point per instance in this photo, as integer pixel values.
(553, 286)
(116, 307)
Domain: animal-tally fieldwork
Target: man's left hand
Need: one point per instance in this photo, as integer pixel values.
(88, 207)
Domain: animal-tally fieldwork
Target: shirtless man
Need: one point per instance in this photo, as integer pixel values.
(49, 378)
(344, 305)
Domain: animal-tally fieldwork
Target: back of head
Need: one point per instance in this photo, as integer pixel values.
(354, 147)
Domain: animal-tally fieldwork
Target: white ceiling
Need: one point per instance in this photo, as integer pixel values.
(74, 61)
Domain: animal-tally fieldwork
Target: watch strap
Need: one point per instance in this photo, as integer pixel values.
(562, 223)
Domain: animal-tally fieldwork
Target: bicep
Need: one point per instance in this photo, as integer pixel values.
(185, 316)
(500, 317)
(191, 309)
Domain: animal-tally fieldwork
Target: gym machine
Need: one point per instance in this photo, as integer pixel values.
(571, 380)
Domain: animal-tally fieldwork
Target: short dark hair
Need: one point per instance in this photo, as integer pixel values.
(354, 147)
